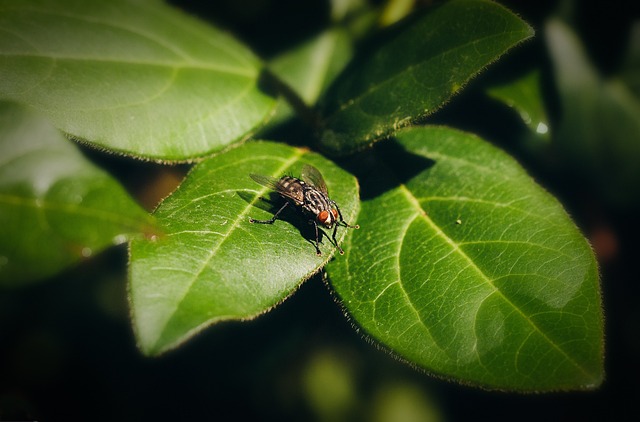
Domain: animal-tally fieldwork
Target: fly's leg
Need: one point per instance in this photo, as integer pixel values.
(315, 225)
(342, 219)
(335, 242)
(274, 218)
(333, 238)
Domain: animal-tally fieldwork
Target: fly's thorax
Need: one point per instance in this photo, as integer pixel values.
(318, 206)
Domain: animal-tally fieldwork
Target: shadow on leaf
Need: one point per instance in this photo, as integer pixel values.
(385, 167)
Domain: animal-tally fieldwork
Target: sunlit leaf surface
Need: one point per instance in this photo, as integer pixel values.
(213, 264)
(468, 269)
(136, 77)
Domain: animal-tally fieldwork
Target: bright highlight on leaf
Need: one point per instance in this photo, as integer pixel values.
(470, 270)
(135, 77)
(56, 208)
(212, 264)
(416, 70)
(524, 95)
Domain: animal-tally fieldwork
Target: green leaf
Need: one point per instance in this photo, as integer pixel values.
(213, 264)
(619, 116)
(577, 82)
(524, 95)
(395, 10)
(631, 65)
(465, 267)
(310, 67)
(416, 70)
(56, 208)
(136, 77)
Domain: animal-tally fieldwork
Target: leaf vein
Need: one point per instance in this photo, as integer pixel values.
(412, 199)
(214, 249)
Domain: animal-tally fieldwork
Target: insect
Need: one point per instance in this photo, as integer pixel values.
(308, 194)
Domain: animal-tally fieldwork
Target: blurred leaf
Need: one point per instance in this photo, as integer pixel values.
(56, 208)
(330, 385)
(395, 10)
(406, 402)
(310, 67)
(631, 65)
(577, 82)
(416, 70)
(341, 9)
(600, 126)
(136, 77)
(213, 264)
(468, 269)
(524, 95)
(619, 117)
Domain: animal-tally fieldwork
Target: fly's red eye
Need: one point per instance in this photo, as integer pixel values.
(323, 216)
(335, 214)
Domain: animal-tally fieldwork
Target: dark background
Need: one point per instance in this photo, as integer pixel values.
(67, 351)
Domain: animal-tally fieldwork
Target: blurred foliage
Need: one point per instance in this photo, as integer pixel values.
(68, 352)
(598, 132)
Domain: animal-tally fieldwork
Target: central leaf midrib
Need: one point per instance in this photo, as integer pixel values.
(241, 217)
(404, 291)
(413, 200)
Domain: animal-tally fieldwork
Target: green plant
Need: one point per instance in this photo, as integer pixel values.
(463, 265)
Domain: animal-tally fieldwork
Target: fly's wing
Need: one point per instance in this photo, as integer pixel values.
(312, 176)
(267, 181)
(282, 186)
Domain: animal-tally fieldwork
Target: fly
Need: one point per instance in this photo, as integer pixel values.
(308, 194)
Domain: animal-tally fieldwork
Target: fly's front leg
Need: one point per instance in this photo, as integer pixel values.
(342, 219)
(315, 225)
(275, 216)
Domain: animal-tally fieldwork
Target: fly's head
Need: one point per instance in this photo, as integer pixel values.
(328, 217)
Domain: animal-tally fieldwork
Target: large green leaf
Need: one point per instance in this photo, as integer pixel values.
(131, 76)
(213, 264)
(56, 207)
(416, 70)
(468, 269)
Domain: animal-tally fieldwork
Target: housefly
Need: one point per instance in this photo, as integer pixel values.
(309, 195)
